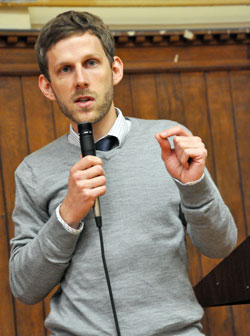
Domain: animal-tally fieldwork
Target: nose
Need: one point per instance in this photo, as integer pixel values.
(82, 78)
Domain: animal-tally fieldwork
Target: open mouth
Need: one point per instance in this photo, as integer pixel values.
(84, 101)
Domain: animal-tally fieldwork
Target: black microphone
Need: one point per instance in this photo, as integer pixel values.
(88, 148)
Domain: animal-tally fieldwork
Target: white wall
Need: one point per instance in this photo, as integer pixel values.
(135, 17)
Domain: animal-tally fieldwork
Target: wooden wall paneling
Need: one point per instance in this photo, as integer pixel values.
(223, 136)
(169, 97)
(144, 97)
(39, 115)
(7, 311)
(240, 86)
(177, 56)
(12, 128)
(122, 96)
(29, 319)
(241, 319)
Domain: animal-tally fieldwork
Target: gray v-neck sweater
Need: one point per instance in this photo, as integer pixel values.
(143, 235)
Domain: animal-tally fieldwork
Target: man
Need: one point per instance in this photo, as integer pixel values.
(56, 240)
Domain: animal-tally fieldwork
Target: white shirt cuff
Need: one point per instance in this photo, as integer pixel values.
(66, 226)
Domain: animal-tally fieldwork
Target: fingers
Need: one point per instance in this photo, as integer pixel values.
(165, 146)
(186, 160)
(175, 130)
(190, 147)
(86, 182)
(87, 162)
(87, 169)
(87, 175)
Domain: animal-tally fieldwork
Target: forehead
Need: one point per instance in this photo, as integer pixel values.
(74, 46)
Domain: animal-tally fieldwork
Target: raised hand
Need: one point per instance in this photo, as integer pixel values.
(186, 161)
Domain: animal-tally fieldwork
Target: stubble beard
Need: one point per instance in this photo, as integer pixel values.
(101, 109)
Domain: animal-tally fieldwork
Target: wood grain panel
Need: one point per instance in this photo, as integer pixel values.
(144, 98)
(13, 128)
(240, 85)
(169, 97)
(225, 155)
(122, 96)
(7, 312)
(38, 112)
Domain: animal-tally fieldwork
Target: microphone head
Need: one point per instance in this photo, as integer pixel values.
(86, 139)
(85, 128)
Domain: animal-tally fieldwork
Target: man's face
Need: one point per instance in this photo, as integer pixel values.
(81, 79)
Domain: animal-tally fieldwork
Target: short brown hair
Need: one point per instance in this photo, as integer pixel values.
(68, 24)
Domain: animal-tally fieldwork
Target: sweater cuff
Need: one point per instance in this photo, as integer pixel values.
(196, 194)
(56, 238)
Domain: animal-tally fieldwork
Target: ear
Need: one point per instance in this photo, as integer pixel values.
(117, 68)
(46, 88)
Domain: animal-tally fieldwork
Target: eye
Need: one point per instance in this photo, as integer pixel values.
(65, 68)
(91, 62)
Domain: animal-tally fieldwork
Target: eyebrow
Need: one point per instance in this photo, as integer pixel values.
(85, 57)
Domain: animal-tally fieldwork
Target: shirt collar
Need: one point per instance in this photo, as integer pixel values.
(120, 129)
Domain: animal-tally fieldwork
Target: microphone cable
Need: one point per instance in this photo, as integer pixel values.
(88, 148)
(99, 226)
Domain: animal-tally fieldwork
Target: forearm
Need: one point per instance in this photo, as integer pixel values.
(37, 265)
(210, 224)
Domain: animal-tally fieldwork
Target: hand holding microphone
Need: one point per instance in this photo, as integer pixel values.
(88, 148)
(86, 183)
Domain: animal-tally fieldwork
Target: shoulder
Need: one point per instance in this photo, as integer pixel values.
(148, 126)
(154, 125)
(48, 156)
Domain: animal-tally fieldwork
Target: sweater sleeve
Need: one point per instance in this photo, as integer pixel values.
(210, 224)
(41, 249)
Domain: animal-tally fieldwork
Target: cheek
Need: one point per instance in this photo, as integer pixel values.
(63, 90)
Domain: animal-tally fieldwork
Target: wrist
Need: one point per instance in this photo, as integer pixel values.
(191, 182)
(66, 217)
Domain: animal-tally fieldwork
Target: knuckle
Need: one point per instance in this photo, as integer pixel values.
(72, 171)
(100, 170)
(103, 190)
(87, 194)
(197, 138)
(88, 159)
